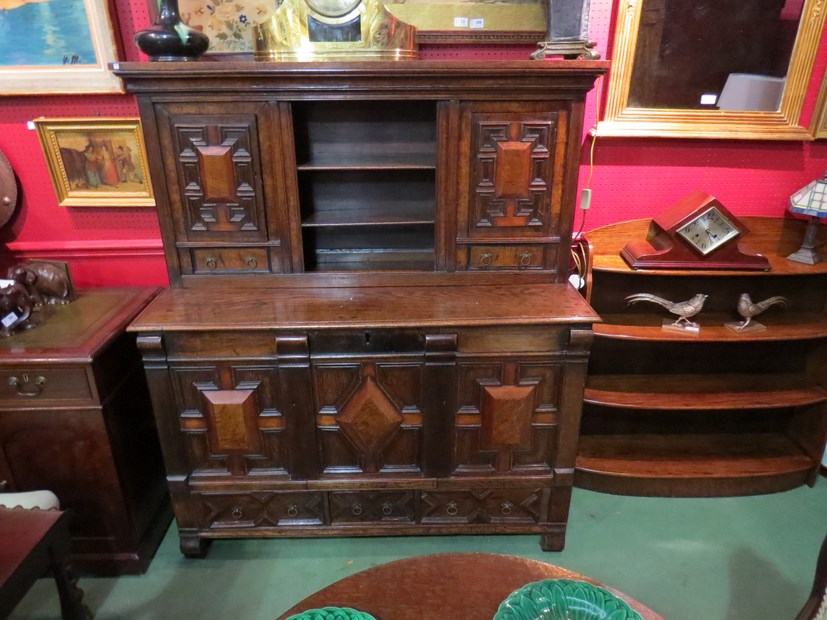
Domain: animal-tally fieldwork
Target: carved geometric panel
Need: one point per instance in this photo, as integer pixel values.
(512, 169)
(369, 416)
(369, 421)
(218, 174)
(230, 419)
(507, 416)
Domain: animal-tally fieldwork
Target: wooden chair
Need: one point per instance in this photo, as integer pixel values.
(816, 606)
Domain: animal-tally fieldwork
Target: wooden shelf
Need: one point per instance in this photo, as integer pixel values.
(378, 161)
(395, 214)
(382, 259)
(691, 465)
(702, 392)
(780, 326)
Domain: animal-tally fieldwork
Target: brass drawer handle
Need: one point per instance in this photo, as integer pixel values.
(357, 509)
(525, 259)
(21, 385)
(237, 513)
(451, 508)
(4, 484)
(251, 262)
(506, 508)
(387, 509)
(486, 258)
(292, 510)
(212, 262)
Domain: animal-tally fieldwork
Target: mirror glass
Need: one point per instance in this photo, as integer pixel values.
(712, 68)
(713, 54)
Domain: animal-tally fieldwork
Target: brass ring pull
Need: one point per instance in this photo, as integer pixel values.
(212, 263)
(387, 509)
(525, 259)
(357, 509)
(451, 508)
(251, 262)
(21, 385)
(506, 508)
(237, 512)
(4, 484)
(486, 258)
(292, 510)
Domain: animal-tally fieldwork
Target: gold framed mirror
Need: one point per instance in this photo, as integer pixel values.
(818, 125)
(712, 68)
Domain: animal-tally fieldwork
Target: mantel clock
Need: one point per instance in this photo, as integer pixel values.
(697, 232)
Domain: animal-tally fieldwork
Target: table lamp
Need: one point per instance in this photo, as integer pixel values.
(810, 200)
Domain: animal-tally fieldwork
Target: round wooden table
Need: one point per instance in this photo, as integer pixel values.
(445, 585)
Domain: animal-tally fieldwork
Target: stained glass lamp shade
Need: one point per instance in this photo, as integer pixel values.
(811, 201)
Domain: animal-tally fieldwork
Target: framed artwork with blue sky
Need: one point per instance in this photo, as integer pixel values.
(56, 47)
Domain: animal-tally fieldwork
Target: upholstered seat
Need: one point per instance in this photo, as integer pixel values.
(45, 500)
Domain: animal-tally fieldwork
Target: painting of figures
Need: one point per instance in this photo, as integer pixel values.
(96, 162)
(56, 46)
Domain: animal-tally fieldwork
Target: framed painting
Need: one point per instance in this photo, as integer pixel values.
(97, 162)
(228, 23)
(56, 47)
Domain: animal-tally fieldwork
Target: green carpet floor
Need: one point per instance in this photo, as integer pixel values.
(744, 558)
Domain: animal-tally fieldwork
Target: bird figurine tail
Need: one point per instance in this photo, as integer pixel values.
(633, 299)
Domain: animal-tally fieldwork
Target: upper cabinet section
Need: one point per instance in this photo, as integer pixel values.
(712, 68)
(329, 174)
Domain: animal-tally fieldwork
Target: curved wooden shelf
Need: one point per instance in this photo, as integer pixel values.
(780, 326)
(702, 392)
(713, 417)
(702, 465)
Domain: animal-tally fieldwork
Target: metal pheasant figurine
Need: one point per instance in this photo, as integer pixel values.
(749, 309)
(682, 309)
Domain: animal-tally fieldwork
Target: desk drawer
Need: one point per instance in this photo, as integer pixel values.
(261, 509)
(31, 385)
(230, 260)
(506, 257)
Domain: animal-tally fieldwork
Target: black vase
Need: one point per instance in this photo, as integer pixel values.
(162, 41)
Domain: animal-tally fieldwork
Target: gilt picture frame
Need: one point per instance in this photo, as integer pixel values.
(98, 162)
(228, 23)
(52, 47)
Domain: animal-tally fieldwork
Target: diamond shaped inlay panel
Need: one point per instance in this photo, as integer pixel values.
(369, 420)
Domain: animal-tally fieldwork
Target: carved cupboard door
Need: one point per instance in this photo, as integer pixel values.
(230, 421)
(511, 184)
(225, 190)
(369, 416)
(507, 417)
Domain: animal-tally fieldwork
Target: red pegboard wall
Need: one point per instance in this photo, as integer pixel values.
(632, 178)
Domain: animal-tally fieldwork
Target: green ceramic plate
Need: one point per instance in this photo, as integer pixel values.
(332, 613)
(564, 599)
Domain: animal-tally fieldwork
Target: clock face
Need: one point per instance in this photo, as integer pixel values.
(708, 231)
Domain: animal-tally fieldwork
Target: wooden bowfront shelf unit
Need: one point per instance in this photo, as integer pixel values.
(369, 330)
(713, 413)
